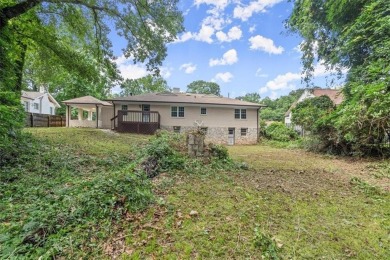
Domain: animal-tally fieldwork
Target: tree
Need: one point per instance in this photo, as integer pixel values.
(251, 97)
(276, 109)
(148, 84)
(353, 35)
(204, 87)
(308, 112)
(76, 34)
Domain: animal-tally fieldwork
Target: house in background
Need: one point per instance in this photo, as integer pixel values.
(334, 94)
(224, 120)
(39, 102)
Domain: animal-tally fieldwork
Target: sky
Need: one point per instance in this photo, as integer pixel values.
(243, 46)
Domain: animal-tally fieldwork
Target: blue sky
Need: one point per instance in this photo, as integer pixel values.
(241, 45)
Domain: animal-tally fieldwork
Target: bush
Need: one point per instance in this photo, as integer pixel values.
(51, 195)
(219, 151)
(279, 132)
(11, 115)
(163, 153)
(11, 123)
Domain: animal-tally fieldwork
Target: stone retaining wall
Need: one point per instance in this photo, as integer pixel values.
(219, 135)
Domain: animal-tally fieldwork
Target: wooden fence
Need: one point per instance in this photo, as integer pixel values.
(40, 120)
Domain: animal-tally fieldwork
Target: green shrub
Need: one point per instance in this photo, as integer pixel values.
(266, 244)
(57, 200)
(11, 122)
(279, 132)
(11, 115)
(164, 152)
(219, 151)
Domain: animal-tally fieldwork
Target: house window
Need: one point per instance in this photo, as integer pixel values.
(51, 111)
(124, 107)
(244, 131)
(176, 129)
(36, 106)
(203, 111)
(203, 130)
(145, 107)
(177, 111)
(26, 106)
(240, 113)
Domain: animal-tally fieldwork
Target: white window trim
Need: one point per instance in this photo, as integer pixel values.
(246, 114)
(177, 111)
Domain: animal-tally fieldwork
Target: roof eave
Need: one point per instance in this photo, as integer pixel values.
(182, 102)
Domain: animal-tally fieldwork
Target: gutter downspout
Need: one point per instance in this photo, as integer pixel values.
(97, 116)
(114, 115)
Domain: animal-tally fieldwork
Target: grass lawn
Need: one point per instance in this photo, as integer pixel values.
(305, 204)
(289, 204)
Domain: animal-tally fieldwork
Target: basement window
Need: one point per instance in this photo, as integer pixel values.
(244, 131)
(176, 129)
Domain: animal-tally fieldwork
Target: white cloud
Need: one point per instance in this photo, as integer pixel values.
(252, 29)
(184, 37)
(216, 21)
(259, 74)
(228, 58)
(225, 77)
(129, 70)
(263, 90)
(245, 12)
(234, 33)
(283, 81)
(220, 4)
(205, 34)
(166, 72)
(259, 42)
(188, 68)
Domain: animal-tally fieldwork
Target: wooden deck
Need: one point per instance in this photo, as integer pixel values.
(139, 122)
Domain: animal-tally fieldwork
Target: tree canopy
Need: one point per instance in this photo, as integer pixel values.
(276, 109)
(143, 85)
(353, 35)
(251, 97)
(204, 87)
(310, 110)
(73, 35)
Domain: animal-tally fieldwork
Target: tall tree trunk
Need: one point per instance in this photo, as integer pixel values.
(9, 12)
(19, 65)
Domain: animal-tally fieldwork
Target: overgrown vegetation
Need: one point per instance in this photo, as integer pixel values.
(289, 205)
(62, 200)
(275, 109)
(67, 189)
(332, 32)
(11, 123)
(280, 132)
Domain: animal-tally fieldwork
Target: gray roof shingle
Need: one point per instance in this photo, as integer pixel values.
(168, 97)
(87, 100)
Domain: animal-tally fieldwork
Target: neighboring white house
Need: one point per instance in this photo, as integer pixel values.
(39, 102)
(334, 94)
(224, 120)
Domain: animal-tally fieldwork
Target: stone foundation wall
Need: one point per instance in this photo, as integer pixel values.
(219, 135)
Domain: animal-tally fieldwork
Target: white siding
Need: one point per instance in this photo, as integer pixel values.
(43, 105)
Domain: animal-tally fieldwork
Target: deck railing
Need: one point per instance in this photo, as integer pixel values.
(141, 122)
